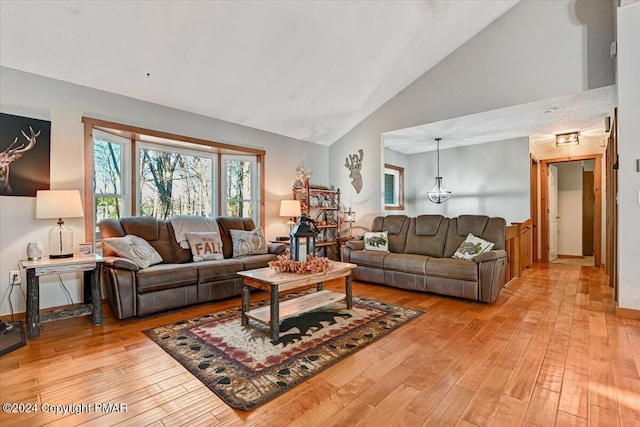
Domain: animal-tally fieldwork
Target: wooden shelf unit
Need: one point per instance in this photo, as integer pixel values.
(322, 204)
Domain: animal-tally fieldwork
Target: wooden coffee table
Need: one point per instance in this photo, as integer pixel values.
(273, 282)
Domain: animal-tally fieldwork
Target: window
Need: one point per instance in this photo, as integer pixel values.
(110, 195)
(239, 183)
(174, 181)
(393, 187)
(137, 171)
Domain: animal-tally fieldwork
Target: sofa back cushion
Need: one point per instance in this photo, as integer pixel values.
(490, 229)
(228, 223)
(149, 228)
(427, 235)
(396, 226)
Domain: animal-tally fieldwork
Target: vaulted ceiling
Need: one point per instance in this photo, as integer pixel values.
(310, 70)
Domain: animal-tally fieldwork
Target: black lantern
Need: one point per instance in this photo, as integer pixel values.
(303, 239)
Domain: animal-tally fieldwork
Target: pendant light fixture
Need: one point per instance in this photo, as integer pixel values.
(438, 193)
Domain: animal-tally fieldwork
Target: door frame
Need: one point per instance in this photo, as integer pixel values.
(533, 179)
(597, 184)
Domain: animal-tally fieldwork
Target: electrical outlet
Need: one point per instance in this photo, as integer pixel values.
(14, 277)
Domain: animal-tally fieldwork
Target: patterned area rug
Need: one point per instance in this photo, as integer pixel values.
(245, 368)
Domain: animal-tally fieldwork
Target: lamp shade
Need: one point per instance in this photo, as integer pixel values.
(58, 204)
(290, 208)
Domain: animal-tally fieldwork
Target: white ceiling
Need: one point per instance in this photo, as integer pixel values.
(540, 120)
(311, 70)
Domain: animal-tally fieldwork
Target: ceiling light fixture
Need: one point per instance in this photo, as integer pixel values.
(439, 194)
(567, 139)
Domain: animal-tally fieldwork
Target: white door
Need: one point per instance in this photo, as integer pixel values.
(553, 212)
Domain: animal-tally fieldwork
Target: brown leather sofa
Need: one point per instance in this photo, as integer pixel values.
(420, 256)
(178, 281)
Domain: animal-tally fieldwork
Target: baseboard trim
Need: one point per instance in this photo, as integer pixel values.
(627, 313)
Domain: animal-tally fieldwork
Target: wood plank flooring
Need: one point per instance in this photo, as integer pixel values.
(548, 352)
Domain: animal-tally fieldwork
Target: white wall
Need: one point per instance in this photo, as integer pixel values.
(64, 104)
(629, 153)
(570, 208)
(485, 179)
(537, 50)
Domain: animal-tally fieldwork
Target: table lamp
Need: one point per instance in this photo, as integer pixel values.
(350, 217)
(290, 208)
(59, 204)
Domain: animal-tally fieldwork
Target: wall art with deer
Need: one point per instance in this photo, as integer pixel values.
(25, 150)
(354, 164)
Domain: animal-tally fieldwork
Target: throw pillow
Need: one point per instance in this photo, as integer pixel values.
(248, 242)
(134, 248)
(205, 245)
(376, 241)
(472, 247)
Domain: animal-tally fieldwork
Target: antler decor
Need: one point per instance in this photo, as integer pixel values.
(11, 154)
(354, 164)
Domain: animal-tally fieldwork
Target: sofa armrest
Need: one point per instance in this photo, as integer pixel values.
(492, 267)
(276, 248)
(121, 263)
(356, 245)
(490, 255)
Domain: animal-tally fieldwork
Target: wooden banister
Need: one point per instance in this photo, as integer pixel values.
(518, 244)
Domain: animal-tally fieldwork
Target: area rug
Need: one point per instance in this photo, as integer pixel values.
(245, 368)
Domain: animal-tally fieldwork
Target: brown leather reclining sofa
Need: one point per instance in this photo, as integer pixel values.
(178, 281)
(420, 256)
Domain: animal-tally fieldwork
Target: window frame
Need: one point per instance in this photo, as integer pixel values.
(136, 135)
(125, 173)
(398, 173)
(255, 179)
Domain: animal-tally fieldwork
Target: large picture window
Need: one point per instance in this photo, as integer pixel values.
(134, 171)
(173, 181)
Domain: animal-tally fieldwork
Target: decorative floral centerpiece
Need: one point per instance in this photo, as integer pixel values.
(313, 264)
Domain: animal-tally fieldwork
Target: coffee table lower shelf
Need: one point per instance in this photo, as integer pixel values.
(295, 306)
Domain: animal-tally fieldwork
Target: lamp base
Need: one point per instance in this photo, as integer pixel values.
(61, 256)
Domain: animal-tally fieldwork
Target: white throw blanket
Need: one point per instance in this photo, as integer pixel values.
(183, 224)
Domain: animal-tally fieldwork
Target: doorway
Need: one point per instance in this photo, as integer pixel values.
(552, 222)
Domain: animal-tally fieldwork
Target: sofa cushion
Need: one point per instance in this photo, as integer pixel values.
(251, 262)
(376, 241)
(472, 247)
(396, 226)
(406, 263)
(166, 276)
(205, 245)
(368, 258)
(248, 242)
(427, 235)
(213, 270)
(134, 248)
(228, 223)
(491, 229)
(452, 268)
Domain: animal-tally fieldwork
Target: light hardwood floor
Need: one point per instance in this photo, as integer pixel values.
(548, 352)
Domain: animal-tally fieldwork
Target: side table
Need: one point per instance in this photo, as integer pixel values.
(91, 265)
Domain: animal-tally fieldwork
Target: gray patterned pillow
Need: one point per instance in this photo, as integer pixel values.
(472, 247)
(248, 242)
(134, 248)
(376, 241)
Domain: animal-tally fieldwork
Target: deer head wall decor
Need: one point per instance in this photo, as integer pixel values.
(354, 164)
(11, 154)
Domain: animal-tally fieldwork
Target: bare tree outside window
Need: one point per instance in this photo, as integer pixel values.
(238, 191)
(174, 183)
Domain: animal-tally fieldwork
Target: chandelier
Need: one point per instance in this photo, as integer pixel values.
(439, 194)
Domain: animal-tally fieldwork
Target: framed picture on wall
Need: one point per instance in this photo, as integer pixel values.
(25, 150)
